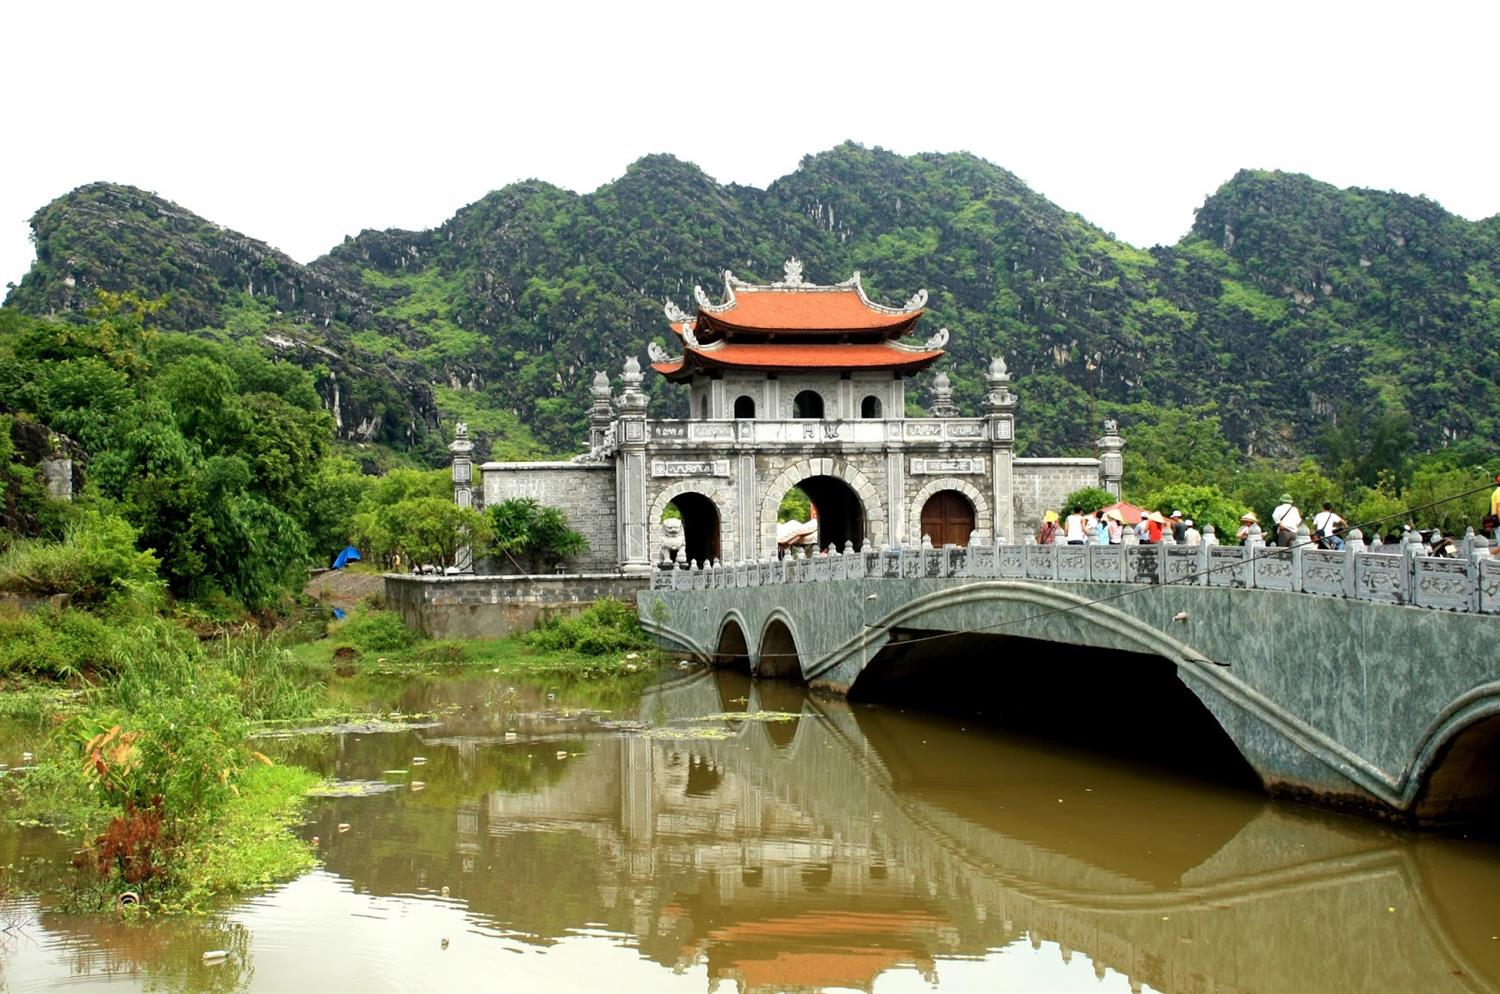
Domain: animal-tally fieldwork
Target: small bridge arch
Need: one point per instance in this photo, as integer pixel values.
(779, 656)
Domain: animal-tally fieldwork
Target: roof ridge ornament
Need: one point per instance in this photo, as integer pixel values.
(688, 338)
(937, 341)
(656, 353)
(913, 304)
(704, 304)
(676, 314)
(792, 269)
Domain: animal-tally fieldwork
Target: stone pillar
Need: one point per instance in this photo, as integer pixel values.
(942, 405)
(463, 486)
(601, 413)
(630, 472)
(1000, 416)
(1111, 458)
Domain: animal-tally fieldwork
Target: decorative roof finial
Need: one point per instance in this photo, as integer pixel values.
(793, 270)
(600, 387)
(676, 314)
(998, 370)
(937, 341)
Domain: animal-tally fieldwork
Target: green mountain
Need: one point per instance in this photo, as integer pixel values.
(1290, 304)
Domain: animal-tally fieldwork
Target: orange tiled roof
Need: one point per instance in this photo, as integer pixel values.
(778, 355)
(806, 310)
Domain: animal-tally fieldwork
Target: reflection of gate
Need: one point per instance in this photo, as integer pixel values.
(948, 518)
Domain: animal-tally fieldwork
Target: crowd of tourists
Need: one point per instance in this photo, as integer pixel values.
(1327, 529)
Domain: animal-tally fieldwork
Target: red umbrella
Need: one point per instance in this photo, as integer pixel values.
(1129, 513)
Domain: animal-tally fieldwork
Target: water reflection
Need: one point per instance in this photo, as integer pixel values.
(551, 848)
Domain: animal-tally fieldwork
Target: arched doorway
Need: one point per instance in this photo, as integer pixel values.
(841, 516)
(700, 525)
(948, 518)
(870, 407)
(807, 404)
(744, 407)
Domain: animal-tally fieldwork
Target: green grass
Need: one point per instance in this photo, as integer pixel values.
(248, 846)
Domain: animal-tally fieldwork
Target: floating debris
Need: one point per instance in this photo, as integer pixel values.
(511, 736)
(626, 725)
(352, 788)
(215, 956)
(750, 716)
(343, 827)
(701, 732)
(372, 726)
(562, 754)
(419, 760)
(418, 785)
(394, 773)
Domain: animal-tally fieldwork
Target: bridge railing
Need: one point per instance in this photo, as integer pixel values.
(1399, 576)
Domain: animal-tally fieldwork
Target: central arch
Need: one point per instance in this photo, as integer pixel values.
(849, 506)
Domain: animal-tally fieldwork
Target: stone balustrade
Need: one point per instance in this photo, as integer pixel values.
(1389, 575)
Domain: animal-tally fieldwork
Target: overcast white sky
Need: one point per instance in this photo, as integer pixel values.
(300, 123)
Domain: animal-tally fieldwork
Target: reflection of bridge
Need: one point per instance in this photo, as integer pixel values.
(824, 851)
(1369, 694)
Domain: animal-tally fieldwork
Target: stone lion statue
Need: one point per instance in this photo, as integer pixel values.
(671, 539)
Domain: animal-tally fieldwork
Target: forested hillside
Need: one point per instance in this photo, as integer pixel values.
(1293, 318)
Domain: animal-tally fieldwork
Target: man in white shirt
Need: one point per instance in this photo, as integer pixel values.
(1326, 522)
(1287, 520)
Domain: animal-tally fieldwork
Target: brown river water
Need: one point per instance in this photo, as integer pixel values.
(650, 847)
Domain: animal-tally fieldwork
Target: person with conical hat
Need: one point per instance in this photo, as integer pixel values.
(1287, 520)
(1246, 520)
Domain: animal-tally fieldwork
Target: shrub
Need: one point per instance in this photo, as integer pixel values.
(97, 562)
(605, 626)
(523, 528)
(59, 644)
(1090, 499)
(375, 631)
(1204, 505)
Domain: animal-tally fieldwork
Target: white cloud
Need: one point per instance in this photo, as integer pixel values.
(300, 123)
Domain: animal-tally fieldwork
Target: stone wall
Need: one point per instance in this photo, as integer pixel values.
(1040, 486)
(456, 607)
(584, 493)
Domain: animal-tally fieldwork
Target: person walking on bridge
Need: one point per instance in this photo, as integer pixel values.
(1287, 520)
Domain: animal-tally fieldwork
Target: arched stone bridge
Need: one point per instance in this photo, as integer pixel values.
(1349, 677)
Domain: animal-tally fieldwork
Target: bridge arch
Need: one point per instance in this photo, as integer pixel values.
(1456, 773)
(838, 480)
(779, 655)
(707, 525)
(983, 518)
(732, 649)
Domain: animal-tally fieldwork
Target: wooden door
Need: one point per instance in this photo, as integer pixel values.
(948, 518)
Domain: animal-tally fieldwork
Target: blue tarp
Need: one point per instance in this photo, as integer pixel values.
(338, 614)
(349, 555)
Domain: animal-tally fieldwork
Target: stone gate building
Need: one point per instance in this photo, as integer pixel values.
(791, 385)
